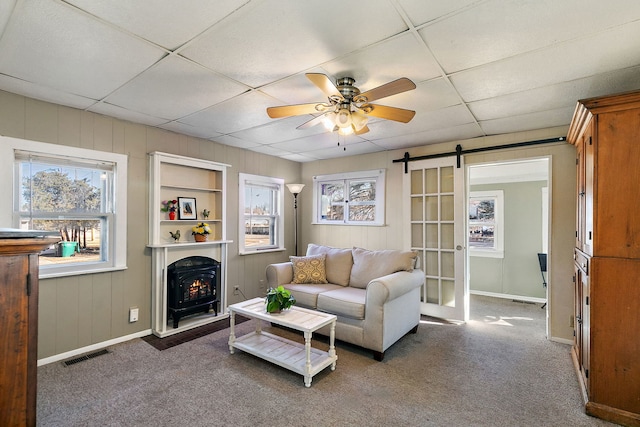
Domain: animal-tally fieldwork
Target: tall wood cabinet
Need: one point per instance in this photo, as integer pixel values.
(606, 133)
(19, 328)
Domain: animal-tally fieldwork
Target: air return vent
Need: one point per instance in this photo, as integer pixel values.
(85, 357)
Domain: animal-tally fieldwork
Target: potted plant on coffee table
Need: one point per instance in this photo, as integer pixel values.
(278, 299)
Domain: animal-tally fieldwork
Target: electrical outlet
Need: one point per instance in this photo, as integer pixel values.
(236, 290)
(262, 285)
(133, 314)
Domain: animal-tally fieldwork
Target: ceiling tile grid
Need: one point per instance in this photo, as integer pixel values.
(211, 69)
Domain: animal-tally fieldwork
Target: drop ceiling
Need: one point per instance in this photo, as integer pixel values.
(211, 68)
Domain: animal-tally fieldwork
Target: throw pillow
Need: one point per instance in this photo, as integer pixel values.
(309, 269)
(338, 262)
(369, 265)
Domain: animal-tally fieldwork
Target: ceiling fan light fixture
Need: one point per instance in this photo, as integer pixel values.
(359, 120)
(329, 121)
(343, 118)
(345, 130)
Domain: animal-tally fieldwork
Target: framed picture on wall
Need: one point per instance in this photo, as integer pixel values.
(187, 208)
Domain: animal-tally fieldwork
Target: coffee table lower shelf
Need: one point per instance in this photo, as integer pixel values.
(284, 352)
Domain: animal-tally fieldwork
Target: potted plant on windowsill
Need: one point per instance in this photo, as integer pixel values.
(278, 299)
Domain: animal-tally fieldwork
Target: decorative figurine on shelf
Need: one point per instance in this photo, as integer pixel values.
(176, 235)
(170, 206)
(205, 213)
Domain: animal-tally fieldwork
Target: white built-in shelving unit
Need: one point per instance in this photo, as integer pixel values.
(172, 176)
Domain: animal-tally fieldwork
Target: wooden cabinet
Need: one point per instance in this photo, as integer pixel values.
(19, 329)
(606, 133)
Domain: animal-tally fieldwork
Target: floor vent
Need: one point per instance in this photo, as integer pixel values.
(85, 357)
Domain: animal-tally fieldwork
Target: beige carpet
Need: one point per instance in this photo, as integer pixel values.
(496, 370)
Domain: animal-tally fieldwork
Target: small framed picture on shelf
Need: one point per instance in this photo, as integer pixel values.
(187, 208)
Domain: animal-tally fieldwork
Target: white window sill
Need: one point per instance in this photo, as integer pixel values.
(261, 251)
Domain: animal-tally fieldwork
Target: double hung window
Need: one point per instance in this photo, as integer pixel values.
(78, 194)
(261, 221)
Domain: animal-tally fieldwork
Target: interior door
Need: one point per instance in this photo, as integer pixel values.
(435, 227)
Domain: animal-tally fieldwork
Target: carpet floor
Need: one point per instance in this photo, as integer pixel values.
(496, 370)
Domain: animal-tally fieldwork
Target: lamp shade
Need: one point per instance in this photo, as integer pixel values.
(295, 188)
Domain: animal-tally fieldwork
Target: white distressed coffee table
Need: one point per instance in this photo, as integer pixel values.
(302, 359)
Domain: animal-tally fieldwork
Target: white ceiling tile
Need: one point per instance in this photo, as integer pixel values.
(258, 45)
(271, 151)
(44, 93)
(423, 11)
(297, 89)
(279, 130)
(235, 142)
(402, 56)
(165, 22)
(54, 45)
(456, 133)
(300, 158)
(563, 62)
(490, 31)
(190, 130)
(556, 96)
(6, 7)
(532, 121)
(190, 87)
(124, 114)
(244, 111)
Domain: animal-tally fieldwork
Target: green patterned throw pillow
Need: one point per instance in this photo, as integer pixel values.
(309, 269)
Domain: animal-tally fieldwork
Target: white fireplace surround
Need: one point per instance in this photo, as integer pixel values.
(163, 256)
(172, 176)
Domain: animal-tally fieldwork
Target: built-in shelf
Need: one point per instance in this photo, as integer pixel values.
(173, 176)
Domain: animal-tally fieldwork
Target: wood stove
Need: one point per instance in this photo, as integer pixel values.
(193, 286)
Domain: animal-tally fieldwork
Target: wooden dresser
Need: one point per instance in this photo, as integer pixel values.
(606, 133)
(19, 328)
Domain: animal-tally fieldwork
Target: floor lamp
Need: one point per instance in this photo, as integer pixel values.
(295, 189)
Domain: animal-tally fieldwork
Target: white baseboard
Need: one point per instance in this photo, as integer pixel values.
(561, 340)
(93, 347)
(507, 296)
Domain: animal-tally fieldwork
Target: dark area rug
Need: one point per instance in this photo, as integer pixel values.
(186, 336)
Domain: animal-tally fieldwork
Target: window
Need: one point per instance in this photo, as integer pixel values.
(485, 223)
(355, 198)
(261, 222)
(79, 194)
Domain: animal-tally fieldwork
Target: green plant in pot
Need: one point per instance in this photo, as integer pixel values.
(278, 299)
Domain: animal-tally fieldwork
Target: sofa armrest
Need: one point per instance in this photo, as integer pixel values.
(279, 274)
(391, 286)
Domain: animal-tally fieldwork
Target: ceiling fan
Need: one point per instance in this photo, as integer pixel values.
(347, 110)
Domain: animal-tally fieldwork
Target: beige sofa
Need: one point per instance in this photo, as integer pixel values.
(374, 294)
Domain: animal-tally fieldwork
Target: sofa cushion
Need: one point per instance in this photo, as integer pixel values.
(306, 295)
(347, 302)
(309, 269)
(369, 265)
(338, 262)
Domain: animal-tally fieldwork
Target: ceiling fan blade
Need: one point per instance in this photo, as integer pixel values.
(325, 84)
(389, 113)
(365, 129)
(392, 88)
(312, 122)
(293, 110)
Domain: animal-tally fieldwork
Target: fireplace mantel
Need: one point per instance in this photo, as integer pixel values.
(173, 176)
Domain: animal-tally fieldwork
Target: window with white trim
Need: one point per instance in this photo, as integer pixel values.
(261, 199)
(355, 198)
(77, 193)
(486, 237)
